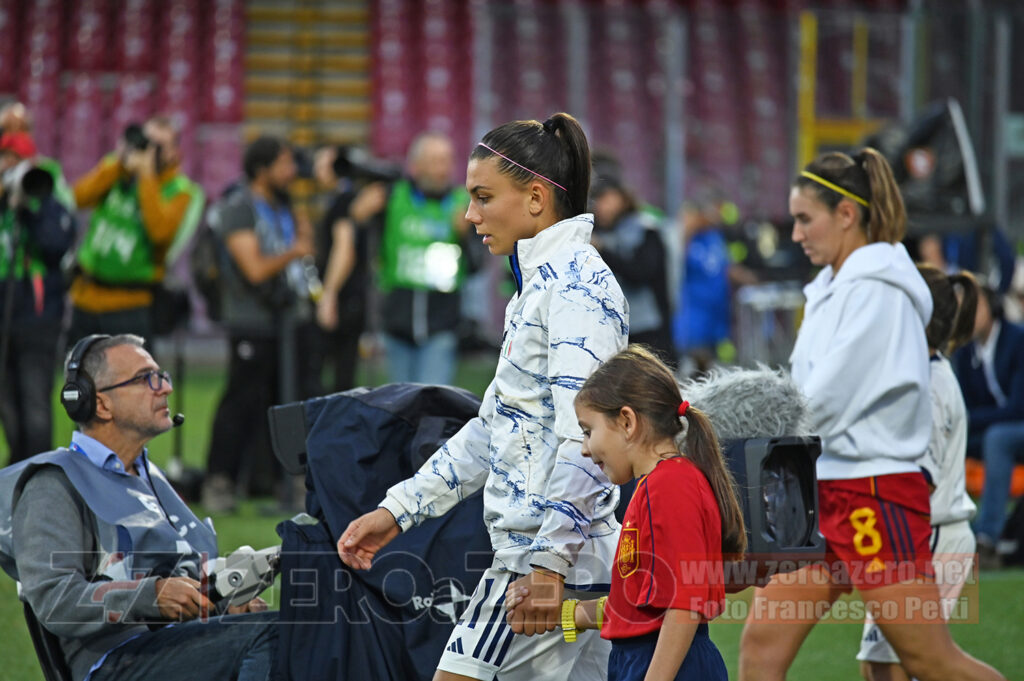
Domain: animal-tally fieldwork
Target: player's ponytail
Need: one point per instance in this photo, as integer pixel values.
(887, 217)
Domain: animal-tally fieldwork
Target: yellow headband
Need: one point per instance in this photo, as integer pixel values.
(834, 187)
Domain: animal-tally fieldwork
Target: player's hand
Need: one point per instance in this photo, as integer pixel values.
(179, 598)
(365, 536)
(538, 605)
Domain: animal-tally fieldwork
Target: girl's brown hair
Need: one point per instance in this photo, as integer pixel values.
(639, 380)
(868, 176)
(954, 302)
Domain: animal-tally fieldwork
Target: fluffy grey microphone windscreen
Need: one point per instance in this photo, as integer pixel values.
(749, 403)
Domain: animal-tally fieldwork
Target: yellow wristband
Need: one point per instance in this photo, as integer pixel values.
(600, 611)
(569, 619)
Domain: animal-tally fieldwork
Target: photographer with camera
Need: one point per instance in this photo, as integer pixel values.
(15, 118)
(35, 232)
(343, 260)
(141, 200)
(266, 294)
(422, 260)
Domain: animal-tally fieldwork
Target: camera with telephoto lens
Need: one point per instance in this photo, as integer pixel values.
(135, 138)
(357, 164)
(25, 181)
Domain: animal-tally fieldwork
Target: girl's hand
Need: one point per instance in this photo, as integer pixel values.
(513, 597)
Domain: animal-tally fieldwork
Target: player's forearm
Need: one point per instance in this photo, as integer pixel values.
(454, 471)
(579, 503)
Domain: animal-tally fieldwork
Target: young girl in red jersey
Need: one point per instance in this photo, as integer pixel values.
(684, 516)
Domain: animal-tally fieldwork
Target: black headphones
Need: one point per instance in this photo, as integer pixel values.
(79, 392)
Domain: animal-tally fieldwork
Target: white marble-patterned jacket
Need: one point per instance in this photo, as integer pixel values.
(544, 503)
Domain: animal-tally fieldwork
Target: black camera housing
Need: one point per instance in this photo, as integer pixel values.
(357, 164)
(135, 137)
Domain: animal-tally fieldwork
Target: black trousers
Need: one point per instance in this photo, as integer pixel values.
(240, 441)
(338, 350)
(26, 410)
(241, 435)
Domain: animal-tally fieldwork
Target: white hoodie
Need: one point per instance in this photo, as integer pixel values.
(861, 358)
(544, 503)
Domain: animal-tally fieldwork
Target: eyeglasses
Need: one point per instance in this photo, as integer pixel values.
(155, 379)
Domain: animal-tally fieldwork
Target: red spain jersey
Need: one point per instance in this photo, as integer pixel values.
(669, 553)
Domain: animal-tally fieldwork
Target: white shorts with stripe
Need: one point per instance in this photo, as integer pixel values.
(482, 646)
(953, 549)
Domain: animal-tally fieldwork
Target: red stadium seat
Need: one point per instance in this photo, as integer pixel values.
(89, 35)
(135, 24)
(84, 127)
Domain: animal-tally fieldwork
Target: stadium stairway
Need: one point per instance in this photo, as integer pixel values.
(307, 71)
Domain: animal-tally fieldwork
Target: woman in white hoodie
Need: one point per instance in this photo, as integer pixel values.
(549, 510)
(861, 359)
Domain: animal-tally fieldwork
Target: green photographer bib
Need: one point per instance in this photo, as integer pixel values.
(420, 248)
(116, 248)
(26, 262)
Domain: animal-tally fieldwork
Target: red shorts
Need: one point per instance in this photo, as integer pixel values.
(877, 529)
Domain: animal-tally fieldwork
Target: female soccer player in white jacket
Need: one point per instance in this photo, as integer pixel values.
(548, 509)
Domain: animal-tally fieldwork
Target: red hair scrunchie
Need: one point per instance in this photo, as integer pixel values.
(682, 408)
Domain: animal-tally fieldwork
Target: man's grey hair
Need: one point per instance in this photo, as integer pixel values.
(416, 147)
(94, 363)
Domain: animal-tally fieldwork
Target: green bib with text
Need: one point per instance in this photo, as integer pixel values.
(116, 248)
(420, 248)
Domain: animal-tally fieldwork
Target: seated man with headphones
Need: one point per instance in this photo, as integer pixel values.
(107, 553)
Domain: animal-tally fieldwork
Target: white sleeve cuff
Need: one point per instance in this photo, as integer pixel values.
(402, 517)
(550, 561)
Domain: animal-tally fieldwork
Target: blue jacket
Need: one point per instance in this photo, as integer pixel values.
(703, 317)
(982, 408)
(391, 621)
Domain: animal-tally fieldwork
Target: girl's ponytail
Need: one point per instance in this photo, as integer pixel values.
(701, 447)
(887, 218)
(952, 322)
(963, 327)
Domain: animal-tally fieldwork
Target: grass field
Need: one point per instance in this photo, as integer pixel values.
(997, 638)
